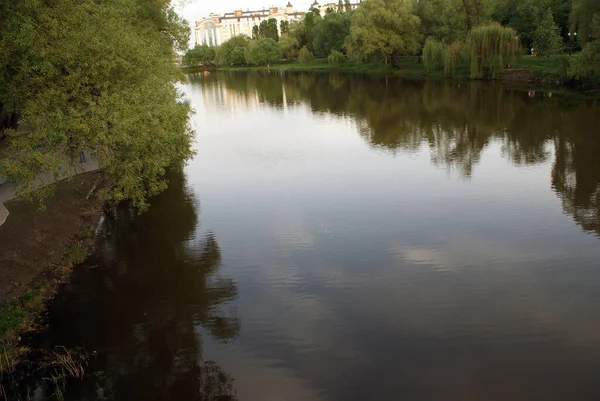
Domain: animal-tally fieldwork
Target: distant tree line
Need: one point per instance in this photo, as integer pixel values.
(482, 36)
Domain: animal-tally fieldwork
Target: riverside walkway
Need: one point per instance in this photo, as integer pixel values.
(8, 190)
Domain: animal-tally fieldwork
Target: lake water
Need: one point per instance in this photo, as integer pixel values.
(353, 238)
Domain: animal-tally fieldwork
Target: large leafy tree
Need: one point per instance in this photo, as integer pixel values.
(263, 51)
(387, 28)
(524, 16)
(546, 37)
(202, 54)
(233, 51)
(440, 19)
(330, 33)
(97, 76)
(584, 19)
(268, 29)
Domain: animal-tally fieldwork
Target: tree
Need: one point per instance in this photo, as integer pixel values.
(433, 54)
(440, 19)
(347, 6)
(330, 33)
(340, 6)
(490, 46)
(202, 54)
(284, 27)
(582, 19)
(387, 28)
(523, 16)
(305, 55)
(336, 58)
(102, 79)
(289, 46)
(476, 12)
(255, 32)
(263, 51)
(268, 29)
(233, 51)
(546, 38)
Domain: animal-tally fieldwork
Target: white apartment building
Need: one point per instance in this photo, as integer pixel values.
(216, 29)
(331, 6)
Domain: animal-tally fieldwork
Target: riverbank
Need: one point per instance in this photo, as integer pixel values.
(39, 249)
(527, 71)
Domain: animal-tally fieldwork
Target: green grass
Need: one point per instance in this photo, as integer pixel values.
(540, 68)
(552, 66)
(11, 318)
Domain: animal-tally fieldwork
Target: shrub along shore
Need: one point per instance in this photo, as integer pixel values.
(525, 72)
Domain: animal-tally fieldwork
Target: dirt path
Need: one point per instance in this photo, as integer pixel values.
(33, 241)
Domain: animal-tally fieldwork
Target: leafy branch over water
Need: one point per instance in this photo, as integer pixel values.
(97, 77)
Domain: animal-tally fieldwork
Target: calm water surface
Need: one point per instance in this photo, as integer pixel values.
(342, 237)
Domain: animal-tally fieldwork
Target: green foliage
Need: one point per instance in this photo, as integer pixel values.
(585, 19)
(336, 58)
(347, 6)
(11, 318)
(202, 54)
(340, 7)
(268, 29)
(305, 55)
(586, 64)
(453, 57)
(475, 12)
(289, 46)
(546, 38)
(102, 79)
(263, 51)
(233, 51)
(255, 32)
(386, 28)
(330, 33)
(440, 19)
(433, 54)
(524, 16)
(284, 27)
(489, 47)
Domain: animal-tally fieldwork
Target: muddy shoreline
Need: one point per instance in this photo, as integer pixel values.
(39, 249)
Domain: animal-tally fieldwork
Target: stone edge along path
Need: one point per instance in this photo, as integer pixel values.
(7, 191)
(3, 213)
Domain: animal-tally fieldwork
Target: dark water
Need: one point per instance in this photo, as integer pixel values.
(354, 238)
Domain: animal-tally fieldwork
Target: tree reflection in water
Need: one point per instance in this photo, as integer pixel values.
(457, 121)
(142, 300)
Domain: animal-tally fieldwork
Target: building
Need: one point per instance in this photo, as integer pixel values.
(331, 6)
(215, 29)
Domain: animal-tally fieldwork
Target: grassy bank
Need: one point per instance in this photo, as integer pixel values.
(39, 249)
(544, 71)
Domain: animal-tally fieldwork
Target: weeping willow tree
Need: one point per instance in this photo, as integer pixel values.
(433, 54)
(490, 47)
(453, 57)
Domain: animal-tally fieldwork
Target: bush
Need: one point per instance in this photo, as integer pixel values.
(546, 38)
(336, 58)
(305, 55)
(453, 57)
(263, 51)
(433, 54)
(586, 64)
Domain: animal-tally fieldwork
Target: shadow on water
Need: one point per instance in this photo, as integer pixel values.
(141, 303)
(456, 121)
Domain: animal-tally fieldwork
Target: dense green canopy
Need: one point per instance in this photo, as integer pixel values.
(97, 76)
